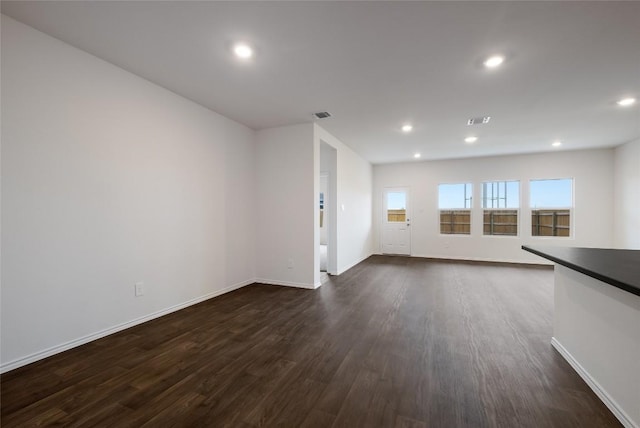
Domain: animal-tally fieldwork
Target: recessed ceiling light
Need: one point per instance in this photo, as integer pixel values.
(494, 61)
(417, 155)
(556, 143)
(470, 140)
(626, 102)
(407, 128)
(242, 50)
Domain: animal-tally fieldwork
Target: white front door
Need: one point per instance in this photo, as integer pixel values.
(396, 222)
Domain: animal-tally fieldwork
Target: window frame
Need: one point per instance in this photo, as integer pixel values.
(571, 210)
(517, 210)
(470, 209)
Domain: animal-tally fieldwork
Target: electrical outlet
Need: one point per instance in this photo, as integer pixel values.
(139, 287)
(290, 264)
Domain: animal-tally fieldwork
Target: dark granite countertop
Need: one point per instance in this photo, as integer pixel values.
(620, 268)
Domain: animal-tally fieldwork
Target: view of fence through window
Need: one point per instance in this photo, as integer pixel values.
(551, 202)
(454, 202)
(497, 198)
(396, 207)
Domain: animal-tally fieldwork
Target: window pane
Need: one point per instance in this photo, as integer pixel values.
(396, 206)
(550, 223)
(396, 200)
(551, 193)
(500, 222)
(501, 194)
(455, 222)
(546, 195)
(454, 195)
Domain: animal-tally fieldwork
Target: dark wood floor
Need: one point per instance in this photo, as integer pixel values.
(394, 342)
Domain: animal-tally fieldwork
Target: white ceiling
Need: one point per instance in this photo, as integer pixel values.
(377, 65)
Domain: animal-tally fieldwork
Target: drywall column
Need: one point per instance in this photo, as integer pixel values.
(626, 196)
(353, 189)
(287, 189)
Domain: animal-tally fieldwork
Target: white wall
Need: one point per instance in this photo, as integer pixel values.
(627, 196)
(354, 199)
(287, 204)
(593, 214)
(107, 180)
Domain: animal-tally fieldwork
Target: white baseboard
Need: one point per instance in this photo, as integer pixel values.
(306, 285)
(343, 270)
(286, 283)
(595, 386)
(23, 361)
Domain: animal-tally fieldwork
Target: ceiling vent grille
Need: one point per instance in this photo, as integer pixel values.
(479, 120)
(322, 115)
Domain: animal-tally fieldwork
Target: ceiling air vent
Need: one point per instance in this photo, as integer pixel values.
(479, 120)
(322, 115)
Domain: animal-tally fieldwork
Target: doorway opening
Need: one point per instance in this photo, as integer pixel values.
(328, 212)
(324, 181)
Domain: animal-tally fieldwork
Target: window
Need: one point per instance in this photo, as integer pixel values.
(551, 204)
(501, 203)
(454, 203)
(396, 207)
